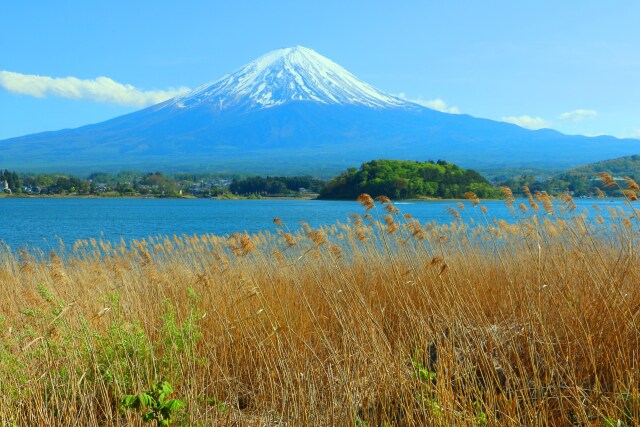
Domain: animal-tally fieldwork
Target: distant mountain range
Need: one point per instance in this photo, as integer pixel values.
(293, 111)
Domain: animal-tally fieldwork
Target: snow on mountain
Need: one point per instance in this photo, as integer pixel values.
(286, 75)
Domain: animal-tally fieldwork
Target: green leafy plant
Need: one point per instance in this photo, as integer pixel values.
(359, 422)
(181, 336)
(427, 380)
(481, 416)
(153, 404)
(423, 373)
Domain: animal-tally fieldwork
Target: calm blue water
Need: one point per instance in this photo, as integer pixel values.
(39, 222)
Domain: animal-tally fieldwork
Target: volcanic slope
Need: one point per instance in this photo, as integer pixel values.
(294, 111)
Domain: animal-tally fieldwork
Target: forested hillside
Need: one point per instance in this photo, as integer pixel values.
(583, 180)
(404, 179)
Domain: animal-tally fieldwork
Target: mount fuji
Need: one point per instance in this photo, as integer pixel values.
(293, 111)
(283, 76)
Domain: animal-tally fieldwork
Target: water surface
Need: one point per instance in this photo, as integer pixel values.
(40, 222)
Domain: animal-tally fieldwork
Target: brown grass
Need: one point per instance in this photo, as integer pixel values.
(381, 320)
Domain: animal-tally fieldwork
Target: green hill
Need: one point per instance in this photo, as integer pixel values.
(404, 179)
(623, 166)
(583, 180)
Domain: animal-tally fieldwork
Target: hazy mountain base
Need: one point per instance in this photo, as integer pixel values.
(300, 138)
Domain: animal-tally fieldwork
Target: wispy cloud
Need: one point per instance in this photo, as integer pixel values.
(528, 122)
(439, 105)
(578, 115)
(101, 89)
(633, 132)
(435, 104)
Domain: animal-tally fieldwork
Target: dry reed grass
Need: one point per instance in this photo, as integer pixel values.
(379, 321)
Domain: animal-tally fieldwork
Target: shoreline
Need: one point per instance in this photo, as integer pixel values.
(299, 198)
(185, 197)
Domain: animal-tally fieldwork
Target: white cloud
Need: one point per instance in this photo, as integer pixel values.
(439, 105)
(578, 115)
(435, 104)
(528, 122)
(101, 89)
(630, 133)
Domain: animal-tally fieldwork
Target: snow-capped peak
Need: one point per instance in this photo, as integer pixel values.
(287, 75)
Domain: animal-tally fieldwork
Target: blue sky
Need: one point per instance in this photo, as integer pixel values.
(569, 65)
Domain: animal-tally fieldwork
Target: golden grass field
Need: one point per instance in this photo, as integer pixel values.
(378, 320)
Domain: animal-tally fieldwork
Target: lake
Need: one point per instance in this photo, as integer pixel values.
(40, 222)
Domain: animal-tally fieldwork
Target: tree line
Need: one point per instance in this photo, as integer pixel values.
(276, 185)
(157, 184)
(397, 179)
